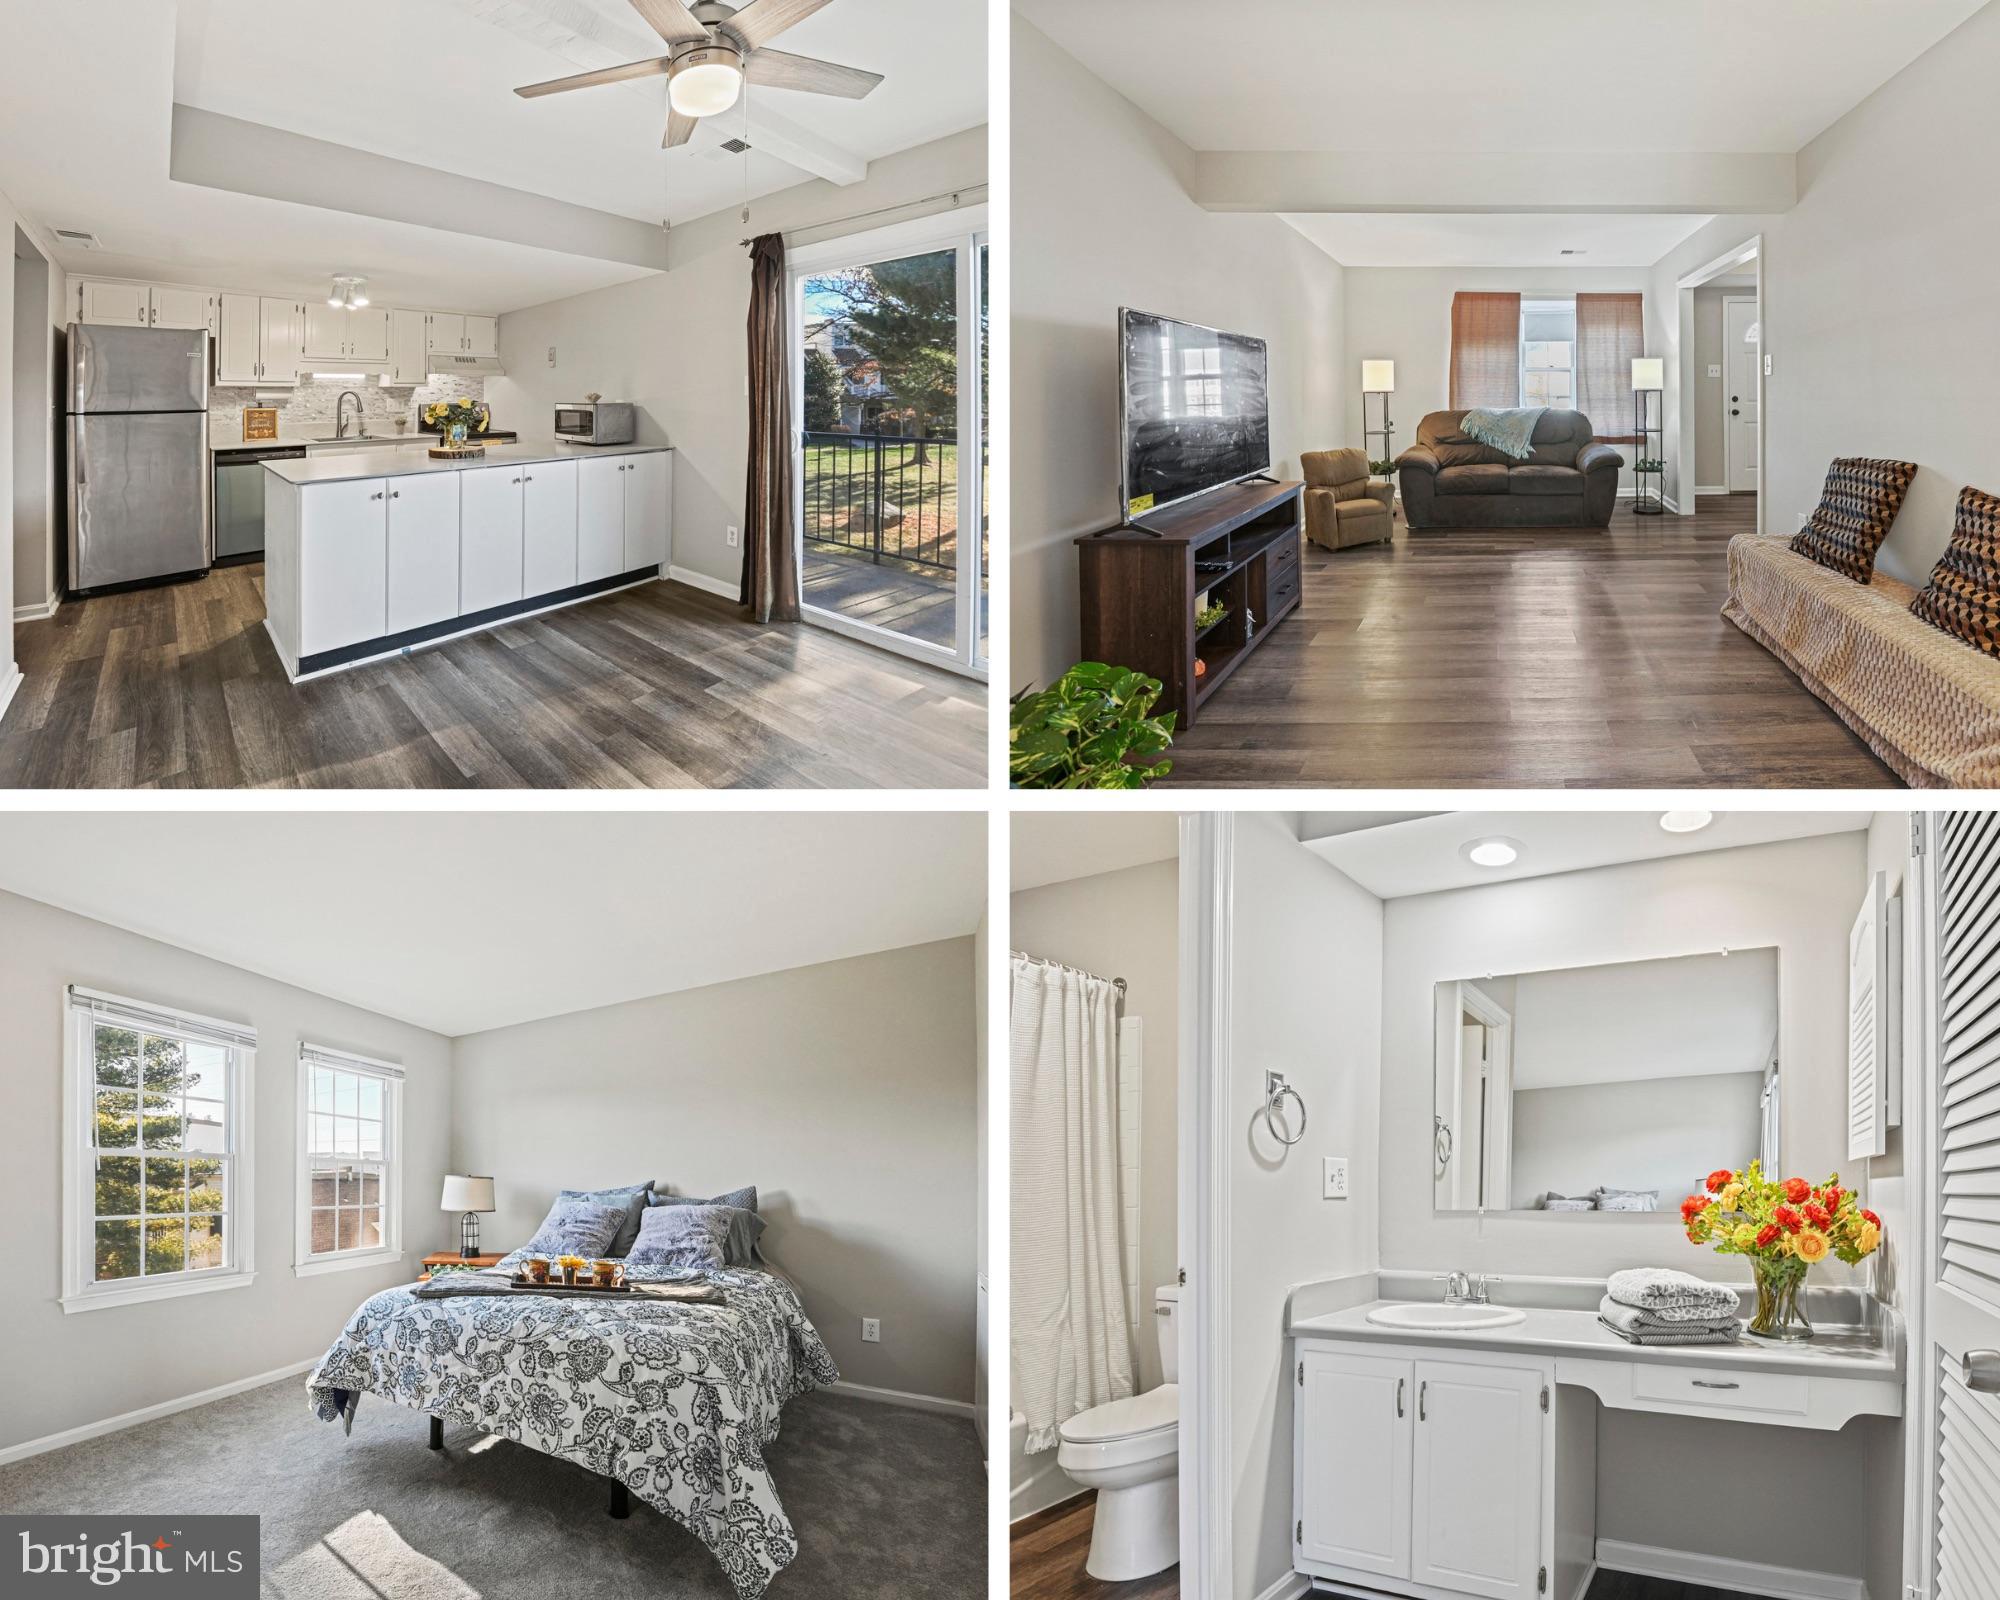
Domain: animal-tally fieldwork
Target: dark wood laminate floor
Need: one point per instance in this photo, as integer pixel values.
(1046, 1554)
(1541, 660)
(1625, 1586)
(656, 687)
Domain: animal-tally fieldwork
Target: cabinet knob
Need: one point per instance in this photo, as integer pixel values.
(395, 494)
(377, 495)
(530, 478)
(517, 480)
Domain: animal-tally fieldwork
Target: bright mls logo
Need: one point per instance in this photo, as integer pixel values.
(159, 1558)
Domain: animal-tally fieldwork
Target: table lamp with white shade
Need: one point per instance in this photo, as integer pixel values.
(1649, 377)
(470, 1196)
(1378, 377)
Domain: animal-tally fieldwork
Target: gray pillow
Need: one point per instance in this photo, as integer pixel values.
(684, 1236)
(632, 1198)
(1628, 1199)
(743, 1249)
(576, 1227)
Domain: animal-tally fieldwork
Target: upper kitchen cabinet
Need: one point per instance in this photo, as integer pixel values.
(336, 334)
(144, 305)
(175, 307)
(482, 336)
(444, 332)
(258, 342)
(409, 353)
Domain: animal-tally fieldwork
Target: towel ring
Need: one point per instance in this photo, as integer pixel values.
(1441, 1140)
(1275, 1090)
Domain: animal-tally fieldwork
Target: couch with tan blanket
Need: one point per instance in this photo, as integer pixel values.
(1927, 703)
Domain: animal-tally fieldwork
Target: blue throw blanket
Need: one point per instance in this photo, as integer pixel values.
(1511, 431)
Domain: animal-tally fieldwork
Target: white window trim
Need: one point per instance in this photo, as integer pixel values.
(79, 1292)
(306, 1264)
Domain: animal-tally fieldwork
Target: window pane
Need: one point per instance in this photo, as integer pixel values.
(166, 1186)
(350, 1227)
(322, 1136)
(204, 1243)
(117, 1051)
(166, 1247)
(166, 1065)
(371, 1228)
(371, 1188)
(346, 1099)
(204, 1125)
(371, 1140)
(324, 1180)
(371, 1098)
(322, 1232)
(349, 1192)
(206, 1064)
(117, 1186)
(205, 1192)
(162, 1118)
(117, 1250)
(322, 1091)
(117, 1119)
(346, 1136)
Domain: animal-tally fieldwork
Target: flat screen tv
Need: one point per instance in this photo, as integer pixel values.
(1192, 407)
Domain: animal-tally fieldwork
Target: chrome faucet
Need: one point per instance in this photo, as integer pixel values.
(340, 414)
(1464, 1288)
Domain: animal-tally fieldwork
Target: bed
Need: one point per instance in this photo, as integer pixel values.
(674, 1402)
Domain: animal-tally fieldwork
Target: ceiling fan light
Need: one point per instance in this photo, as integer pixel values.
(705, 80)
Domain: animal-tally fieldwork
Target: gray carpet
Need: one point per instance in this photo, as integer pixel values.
(888, 1503)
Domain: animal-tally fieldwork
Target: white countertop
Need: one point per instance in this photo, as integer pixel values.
(224, 440)
(1832, 1353)
(341, 466)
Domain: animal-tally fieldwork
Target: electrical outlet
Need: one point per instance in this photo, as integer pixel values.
(1336, 1178)
(729, 537)
(552, 355)
(871, 1330)
(1715, 369)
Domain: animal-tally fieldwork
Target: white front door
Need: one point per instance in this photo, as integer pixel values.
(1742, 345)
(1959, 1355)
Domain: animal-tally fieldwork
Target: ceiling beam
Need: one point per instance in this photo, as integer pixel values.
(777, 135)
(1570, 181)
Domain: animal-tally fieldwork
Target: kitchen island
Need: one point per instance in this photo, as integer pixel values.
(370, 553)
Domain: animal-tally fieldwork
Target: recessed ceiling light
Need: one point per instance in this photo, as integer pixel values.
(1686, 821)
(1492, 852)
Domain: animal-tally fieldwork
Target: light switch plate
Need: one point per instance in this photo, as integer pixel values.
(1336, 1178)
(552, 355)
(1767, 366)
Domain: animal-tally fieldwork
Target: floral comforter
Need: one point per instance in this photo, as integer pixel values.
(677, 1401)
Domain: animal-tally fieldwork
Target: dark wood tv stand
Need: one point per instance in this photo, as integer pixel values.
(1140, 582)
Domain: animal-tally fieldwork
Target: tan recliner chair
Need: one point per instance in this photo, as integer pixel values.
(1342, 507)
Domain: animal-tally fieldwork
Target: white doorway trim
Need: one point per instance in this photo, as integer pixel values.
(1748, 254)
(1914, 1262)
(1730, 464)
(1207, 897)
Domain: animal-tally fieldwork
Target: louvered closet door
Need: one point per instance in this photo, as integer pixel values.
(1962, 1298)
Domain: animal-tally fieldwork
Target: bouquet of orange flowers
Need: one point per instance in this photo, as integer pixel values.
(1784, 1227)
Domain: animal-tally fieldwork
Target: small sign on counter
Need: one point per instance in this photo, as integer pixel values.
(260, 422)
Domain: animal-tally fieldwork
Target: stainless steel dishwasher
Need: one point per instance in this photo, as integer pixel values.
(239, 500)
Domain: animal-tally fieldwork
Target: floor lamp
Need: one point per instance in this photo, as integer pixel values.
(1649, 377)
(1378, 378)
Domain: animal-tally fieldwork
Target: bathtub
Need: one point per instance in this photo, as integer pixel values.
(1035, 1481)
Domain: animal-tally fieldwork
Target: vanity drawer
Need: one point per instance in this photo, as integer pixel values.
(1722, 1389)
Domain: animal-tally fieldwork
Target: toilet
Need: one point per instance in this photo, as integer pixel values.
(1129, 1452)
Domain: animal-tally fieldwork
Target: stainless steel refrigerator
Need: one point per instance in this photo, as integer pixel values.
(138, 454)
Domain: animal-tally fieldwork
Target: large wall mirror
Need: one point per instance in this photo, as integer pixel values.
(1613, 1088)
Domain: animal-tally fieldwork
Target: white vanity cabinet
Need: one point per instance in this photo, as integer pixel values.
(1427, 1468)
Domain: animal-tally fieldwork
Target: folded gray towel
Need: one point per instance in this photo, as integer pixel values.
(1676, 1296)
(1715, 1336)
(1637, 1327)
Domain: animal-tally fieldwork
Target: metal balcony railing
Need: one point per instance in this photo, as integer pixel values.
(883, 496)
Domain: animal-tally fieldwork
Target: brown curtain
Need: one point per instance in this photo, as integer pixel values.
(1485, 350)
(1610, 331)
(770, 559)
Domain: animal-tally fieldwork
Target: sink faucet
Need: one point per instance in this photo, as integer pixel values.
(340, 413)
(1464, 1288)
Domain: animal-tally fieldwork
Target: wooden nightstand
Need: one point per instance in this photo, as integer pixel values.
(440, 1258)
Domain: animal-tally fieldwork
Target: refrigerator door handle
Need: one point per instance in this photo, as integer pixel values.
(82, 457)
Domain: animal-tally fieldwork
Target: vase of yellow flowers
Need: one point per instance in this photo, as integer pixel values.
(459, 421)
(1785, 1228)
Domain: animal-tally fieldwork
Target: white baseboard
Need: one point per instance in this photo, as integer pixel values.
(1721, 1572)
(1289, 1587)
(1583, 1588)
(1711, 488)
(166, 1408)
(702, 581)
(899, 1397)
(10, 687)
(39, 612)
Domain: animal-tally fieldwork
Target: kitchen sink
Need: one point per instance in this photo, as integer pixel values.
(1423, 1314)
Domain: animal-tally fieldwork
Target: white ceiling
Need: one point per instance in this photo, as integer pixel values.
(1056, 846)
(87, 89)
(1422, 857)
(1487, 239)
(1470, 75)
(460, 922)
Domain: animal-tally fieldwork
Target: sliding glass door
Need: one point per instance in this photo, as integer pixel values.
(889, 384)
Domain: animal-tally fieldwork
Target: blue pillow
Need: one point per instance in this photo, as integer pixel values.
(743, 1250)
(576, 1227)
(632, 1198)
(685, 1236)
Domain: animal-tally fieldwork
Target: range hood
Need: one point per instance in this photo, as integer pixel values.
(449, 363)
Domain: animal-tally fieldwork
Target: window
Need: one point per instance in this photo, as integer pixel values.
(156, 1160)
(1548, 353)
(349, 1203)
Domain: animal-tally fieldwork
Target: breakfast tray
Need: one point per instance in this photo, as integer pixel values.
(521, 1280)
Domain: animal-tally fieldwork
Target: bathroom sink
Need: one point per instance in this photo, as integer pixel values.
(1424, 1314)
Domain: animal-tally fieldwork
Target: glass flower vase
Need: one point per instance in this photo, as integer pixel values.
(1779, 1314)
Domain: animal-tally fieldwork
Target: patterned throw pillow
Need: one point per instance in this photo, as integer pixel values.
(1860, 500)
(632, 1197)
(743, 1250)
(683, 1236)
(1963, 596)
(576, 1227)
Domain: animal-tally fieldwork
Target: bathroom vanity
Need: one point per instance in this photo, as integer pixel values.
(1462, 1460)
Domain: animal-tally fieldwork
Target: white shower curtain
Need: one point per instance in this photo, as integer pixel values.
(1072, 1337)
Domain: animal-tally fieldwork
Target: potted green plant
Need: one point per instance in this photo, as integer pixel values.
(1209, 615)
(1385, 468)
(1089, 729)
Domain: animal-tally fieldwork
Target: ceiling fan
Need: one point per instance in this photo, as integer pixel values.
(715, 49)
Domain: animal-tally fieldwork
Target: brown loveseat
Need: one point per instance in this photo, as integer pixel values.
(1451, 481)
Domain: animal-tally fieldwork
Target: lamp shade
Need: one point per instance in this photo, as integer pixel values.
(1378, 377)
(466, 1193)
(1649, 372)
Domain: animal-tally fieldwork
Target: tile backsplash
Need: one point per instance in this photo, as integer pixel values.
(310, 407)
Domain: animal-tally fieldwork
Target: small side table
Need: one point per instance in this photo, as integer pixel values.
(448, 1258)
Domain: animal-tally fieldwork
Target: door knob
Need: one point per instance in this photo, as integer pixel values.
(1982, 1371)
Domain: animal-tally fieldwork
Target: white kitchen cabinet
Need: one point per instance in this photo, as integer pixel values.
(648, 485)
(445, 332)
(368, 335)
(1352, 1440)
(115, 305)
(1476, 1480)
(237, 338)
(423, 550)
(337, 335)
(325, 332)
(600, 517)
(343, 564)
(280, 340)
(177, 307)
(548, 526)
(482, 336)
(489, 571)
(408, 349)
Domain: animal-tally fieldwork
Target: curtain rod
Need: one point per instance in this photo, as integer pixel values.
(1064, 966)
(953, 195)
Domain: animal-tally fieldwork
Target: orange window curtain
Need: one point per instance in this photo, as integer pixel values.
(1610, 331)
(1485, 350)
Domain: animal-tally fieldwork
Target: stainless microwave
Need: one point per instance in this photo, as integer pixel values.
(594, 421)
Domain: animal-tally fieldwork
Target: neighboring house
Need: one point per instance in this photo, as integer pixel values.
(866, 403)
